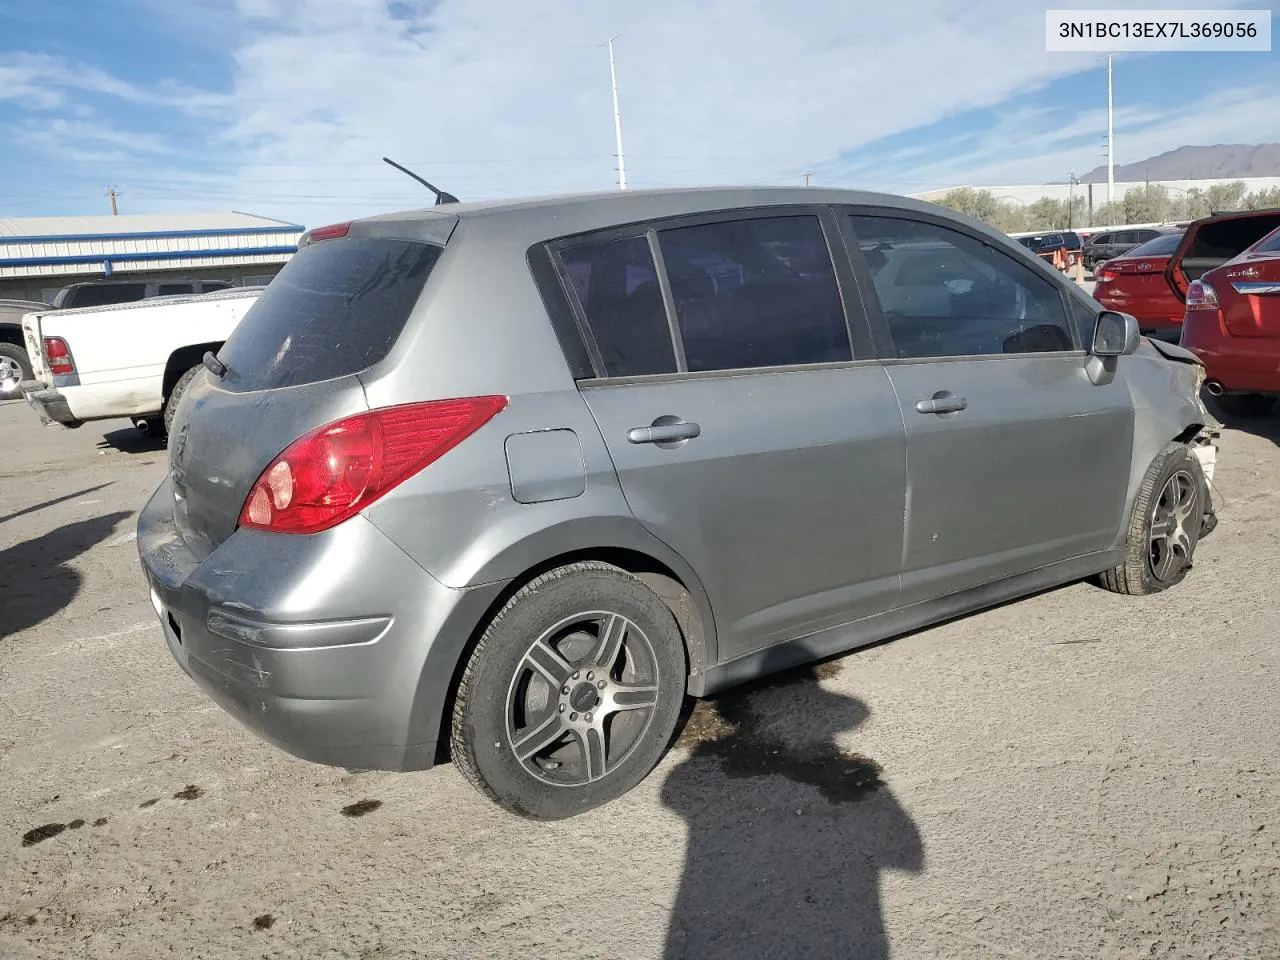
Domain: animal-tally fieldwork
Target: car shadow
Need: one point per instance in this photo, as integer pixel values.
(788, 830)
(132, 440)
(36, 576)
(1267, 427)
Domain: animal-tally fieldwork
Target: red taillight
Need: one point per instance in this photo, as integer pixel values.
(332, 232)
(58, 355)
(1107, 274)
(1201, 296)
(333, 472)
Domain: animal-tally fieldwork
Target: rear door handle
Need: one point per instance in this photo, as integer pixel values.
(942, 402)
(664, 432)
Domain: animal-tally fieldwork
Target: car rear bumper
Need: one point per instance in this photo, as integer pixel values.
(336, 647)
(51, 405)
(1241, 364)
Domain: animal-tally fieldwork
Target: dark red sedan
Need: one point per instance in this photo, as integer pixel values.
(1134, 283)
(1233, 325)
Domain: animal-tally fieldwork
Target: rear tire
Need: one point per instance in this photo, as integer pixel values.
(1165, 526)
(175, 397)
(1244, 404)
(572, 694)
(14, 368)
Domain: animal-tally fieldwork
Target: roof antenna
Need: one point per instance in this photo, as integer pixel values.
(441, 196)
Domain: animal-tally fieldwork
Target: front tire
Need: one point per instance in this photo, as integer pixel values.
(1166, 524)
(572, 693)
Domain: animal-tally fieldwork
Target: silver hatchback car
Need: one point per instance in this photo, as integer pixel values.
(507, 481)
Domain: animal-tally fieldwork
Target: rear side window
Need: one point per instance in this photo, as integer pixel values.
(336, 308)
(616, 285)
(100, 295)
(759, 292)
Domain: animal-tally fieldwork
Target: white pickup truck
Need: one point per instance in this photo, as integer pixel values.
(125, 360)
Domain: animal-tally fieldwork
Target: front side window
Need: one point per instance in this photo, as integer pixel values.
(616, 285)
(758, 292)
(946, 294)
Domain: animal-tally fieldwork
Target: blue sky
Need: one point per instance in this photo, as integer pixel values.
(284, 107)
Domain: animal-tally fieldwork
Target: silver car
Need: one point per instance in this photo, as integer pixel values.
(507, 481)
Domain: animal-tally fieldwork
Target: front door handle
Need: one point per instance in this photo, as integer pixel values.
(942, 402)
(664, 432)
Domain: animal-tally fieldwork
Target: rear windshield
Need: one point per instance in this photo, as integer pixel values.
(1158, 247)
(99, 295)
(1227, 238)
(335, 309)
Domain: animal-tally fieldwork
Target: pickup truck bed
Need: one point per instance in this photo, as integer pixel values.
(124, 360)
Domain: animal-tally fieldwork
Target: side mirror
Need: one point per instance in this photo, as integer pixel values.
(1116, 335)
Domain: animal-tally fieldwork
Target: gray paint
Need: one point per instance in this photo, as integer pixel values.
(545, 465)
(814, 511)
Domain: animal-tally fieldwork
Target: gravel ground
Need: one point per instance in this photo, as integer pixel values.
(1074, 775)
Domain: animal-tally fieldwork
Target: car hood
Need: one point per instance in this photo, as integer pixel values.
(1171, 351)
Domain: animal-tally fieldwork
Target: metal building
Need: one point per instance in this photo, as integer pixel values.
(38, 255)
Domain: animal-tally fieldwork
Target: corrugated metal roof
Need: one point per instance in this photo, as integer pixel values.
(133, 223)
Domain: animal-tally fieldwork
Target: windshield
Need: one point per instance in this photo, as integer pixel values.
(1160, 246)
(335, 309)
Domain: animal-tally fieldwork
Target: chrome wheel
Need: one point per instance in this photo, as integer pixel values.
(582, 698)
(1173, 516)
(10, 376)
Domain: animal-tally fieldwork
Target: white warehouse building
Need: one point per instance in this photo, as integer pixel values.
(39, 255)
(1024, 194)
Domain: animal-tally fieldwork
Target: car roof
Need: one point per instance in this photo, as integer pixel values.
(567, 214)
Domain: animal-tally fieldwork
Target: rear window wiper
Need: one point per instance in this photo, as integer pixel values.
(214, 365)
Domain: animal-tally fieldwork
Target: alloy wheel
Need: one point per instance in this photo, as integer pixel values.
(1172, 520)
(581, 698)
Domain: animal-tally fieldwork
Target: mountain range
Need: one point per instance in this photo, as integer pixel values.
(1217, 162)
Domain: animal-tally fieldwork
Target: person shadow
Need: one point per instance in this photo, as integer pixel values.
(788, 831)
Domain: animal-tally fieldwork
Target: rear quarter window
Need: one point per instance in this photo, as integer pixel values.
(335, 309)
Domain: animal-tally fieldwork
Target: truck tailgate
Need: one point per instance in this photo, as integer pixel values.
(35, 347)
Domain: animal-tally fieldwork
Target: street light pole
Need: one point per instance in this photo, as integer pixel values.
(1111, 141)
(617, 118)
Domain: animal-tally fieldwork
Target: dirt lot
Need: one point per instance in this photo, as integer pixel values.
(1075, 775)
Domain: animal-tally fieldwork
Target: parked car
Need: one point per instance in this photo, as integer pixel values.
(1112, 243)
(1232, 320)
(1064, 245)
(576, 458)
(125, 360)
(1134, 283)
(14, 365)
(99, 293)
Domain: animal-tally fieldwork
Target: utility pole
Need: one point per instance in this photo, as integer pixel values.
(1111, 140)
(113, 193)
(617, 118)
(806, 179)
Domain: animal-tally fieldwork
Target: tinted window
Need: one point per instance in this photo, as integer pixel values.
(210, 285)
(1162, 244)
(616, 285)
(173, 289)
(945, 294)
(1269, 244)
(1126, 236)
(1100, 239)
(755, 293)
(102, 294)
(336, 308)
(1072, 241)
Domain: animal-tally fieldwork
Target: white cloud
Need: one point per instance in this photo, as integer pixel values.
(503, 97)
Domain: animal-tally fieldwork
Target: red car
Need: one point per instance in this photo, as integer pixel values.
(1232, 319)
(1134, 283)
